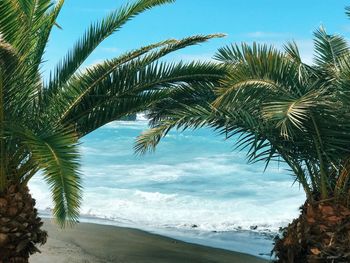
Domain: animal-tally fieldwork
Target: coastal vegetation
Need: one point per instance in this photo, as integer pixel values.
(42, 119)
(281, 109)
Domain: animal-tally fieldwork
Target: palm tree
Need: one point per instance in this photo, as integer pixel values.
(287, 111)
(42, 120)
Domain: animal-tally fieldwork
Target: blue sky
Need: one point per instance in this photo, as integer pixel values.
(268, 21)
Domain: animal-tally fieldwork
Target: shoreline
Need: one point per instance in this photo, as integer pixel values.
(94, 243)
(255, 243)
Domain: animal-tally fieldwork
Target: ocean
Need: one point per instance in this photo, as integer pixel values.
(196, 187)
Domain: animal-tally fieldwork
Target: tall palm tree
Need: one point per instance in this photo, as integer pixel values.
(282, 110)
(42, 120)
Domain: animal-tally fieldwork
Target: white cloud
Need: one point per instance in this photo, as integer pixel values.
(262, 34)
(195, 57)
(110, 49)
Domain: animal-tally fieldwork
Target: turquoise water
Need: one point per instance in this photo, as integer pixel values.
(195, 187)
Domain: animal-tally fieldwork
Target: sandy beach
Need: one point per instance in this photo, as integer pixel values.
(92, 243)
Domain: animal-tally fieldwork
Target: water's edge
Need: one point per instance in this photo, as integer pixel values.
(195, 188)
(256, 243)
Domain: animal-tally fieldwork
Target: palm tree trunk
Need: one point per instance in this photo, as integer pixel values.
(19, 226)
(320, 234)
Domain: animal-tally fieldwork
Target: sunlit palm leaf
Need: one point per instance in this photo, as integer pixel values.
(329, 49)
(98, 32)
(57, 155)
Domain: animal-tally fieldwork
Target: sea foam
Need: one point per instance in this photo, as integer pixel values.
(194, 183)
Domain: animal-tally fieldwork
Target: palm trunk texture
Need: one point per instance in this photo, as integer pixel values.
(19, 226)
(320, 234)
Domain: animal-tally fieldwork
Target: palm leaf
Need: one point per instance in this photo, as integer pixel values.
(57, 156)
(122, 78)
(43, 33)
(132, 90)
(329, 49)
(10, 24)
(96, 33)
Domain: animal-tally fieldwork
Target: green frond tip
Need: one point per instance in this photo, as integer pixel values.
(217, 35)
(329, 48)
(149, 139)
(56, 154)
(62, 174)
(158, 2)
(292, 51)
(347, 11)
(93, 37)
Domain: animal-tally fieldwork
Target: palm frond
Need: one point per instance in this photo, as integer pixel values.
(184, 117)
(25, 84)
(9, 60)
(132, 89)
(10, 23)
(230, 54)
(71, 94)
(291, 113)
(130, 75)
(96, 33)
(292, 51)
(149, 139)
(57, 156)
(33, 19)
(329, 49)
(43, 33)
(260, 68)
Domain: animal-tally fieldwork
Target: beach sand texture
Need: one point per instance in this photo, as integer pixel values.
(92, 243)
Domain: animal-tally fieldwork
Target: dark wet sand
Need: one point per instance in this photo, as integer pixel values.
(92, 243)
